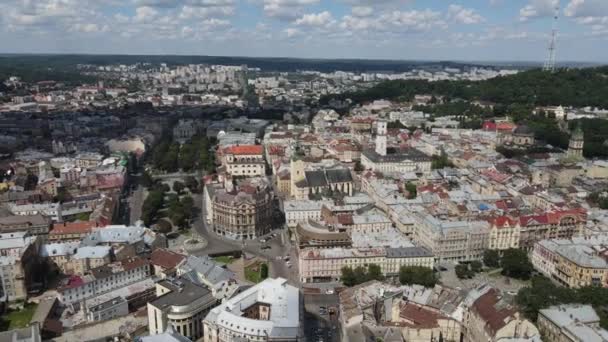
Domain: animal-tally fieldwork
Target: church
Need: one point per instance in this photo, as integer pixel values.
(387, 160)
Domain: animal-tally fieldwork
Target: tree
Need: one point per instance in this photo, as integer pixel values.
(263, 271)
(188, 204)
(412, 191)
(424, 276)
(146, 180)
(192, 184)
(359, 275)
(515, 264)
(476, 266)
(62, 195)
(463, 271)
(152, 204)
(491, 258)
(348, 276)
(178, 187)
(359, 167)
(441, 161)
(374, 272)
(164, 226)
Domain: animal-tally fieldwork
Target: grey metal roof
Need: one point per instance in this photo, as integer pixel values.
(338, 176)
(410, 252)
(183, 292)
(203, 270)
(399, 156)
(316, 178)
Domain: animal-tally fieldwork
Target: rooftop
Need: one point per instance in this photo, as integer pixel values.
(283, 299)
(245, 149)
(183, 293)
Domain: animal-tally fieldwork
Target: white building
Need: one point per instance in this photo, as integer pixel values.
(245, 160)
(182, 305)
(326, 264)
(268, 311)
(104, 279)
(299, 211)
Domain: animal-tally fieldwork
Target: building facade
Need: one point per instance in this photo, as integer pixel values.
(268, 311)
(182, 305)
(245, 160)
(326, 264)
(244, 212)
(574, 263)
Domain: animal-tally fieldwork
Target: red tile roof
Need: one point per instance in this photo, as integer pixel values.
(245, 149)
(165, 258)
(345, 219)
(417, 316)
(133, 263)
(79, 227)
(496, 316)
(503, 221)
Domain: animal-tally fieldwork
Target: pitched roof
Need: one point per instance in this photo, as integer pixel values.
(165, 258)
(493, 311)
(245, 149)
(79, 227)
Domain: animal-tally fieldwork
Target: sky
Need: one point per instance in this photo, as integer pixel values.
(465, 30)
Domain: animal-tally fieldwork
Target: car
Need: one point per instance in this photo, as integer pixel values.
(265, 247)
(286, 258)
(329, 291)
(322, 307)
(263, 241)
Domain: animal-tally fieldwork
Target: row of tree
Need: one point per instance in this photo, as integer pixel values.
(568, 87)
(543, 293)
(513, 261)
(468, 270)
(408, 275)
(179, 209)
(195, 154)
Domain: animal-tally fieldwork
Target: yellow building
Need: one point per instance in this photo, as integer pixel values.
(579, 266)
(504, 233)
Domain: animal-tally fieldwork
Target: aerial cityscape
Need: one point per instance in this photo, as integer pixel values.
(174, 194)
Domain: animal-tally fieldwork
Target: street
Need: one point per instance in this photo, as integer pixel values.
(280, 246)
(135, 203)
(319, 323)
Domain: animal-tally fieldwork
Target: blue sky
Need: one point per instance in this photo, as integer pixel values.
(501, 30)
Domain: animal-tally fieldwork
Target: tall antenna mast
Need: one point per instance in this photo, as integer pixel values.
(550, 62)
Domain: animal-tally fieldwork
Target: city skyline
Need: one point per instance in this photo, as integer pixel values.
(490, 30)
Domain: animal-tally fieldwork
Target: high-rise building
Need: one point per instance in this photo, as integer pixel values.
(577, 142)
(381, 138)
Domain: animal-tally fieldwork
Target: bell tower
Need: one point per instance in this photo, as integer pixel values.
(577, 142)
(381, 137)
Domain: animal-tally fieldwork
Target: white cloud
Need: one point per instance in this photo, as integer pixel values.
(376, 2)
(89, 28)
(145, 14)
(188, 12)
(586, 8)
(592, 13)
(179, 3)
(286, 9)
(415, 20)
(538, 9)
(317, 20)
(395, 22)
(463, 15)
(291, 32)
(362, 11)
